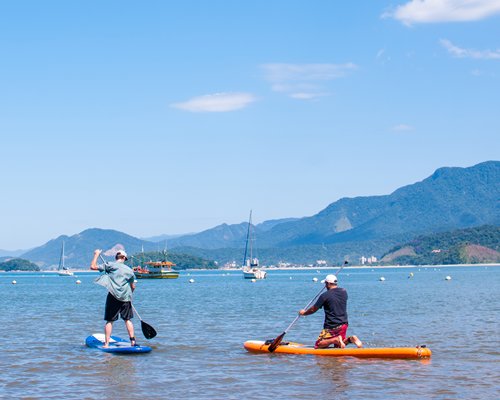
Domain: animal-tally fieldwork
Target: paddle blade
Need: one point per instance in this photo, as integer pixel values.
(147, 330)
(276, 342)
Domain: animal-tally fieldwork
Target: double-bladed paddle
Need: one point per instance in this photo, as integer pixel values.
(147, 330)
(276, 342)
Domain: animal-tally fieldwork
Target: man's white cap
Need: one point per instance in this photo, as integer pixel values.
(330, 279)
(122, 253)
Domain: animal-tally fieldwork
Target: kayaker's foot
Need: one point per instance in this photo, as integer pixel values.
(132, 342)
(105, 346)
(356, 341)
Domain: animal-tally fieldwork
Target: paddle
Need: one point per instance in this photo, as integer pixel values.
(147, 330)
(276, 342)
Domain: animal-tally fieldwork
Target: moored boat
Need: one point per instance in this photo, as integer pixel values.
(250, 266)
(156, 270)
(418, 352)
(62, 270)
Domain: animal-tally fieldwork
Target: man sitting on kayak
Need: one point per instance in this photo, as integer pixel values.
(334, 303)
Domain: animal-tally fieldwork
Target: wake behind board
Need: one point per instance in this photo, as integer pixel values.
(259, 346)
(116, 345)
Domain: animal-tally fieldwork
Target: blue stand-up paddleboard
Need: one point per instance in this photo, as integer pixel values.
(116, 345)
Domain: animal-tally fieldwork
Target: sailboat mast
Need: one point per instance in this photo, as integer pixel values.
(246, 242)
(61, 261)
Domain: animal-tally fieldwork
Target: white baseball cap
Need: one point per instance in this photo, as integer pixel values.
(122, 254)
(330, 279)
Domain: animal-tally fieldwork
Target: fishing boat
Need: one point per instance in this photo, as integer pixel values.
(250, 266)
(156, 269)
(62, 270)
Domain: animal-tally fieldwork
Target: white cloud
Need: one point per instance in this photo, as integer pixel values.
(218, 102)
(459, 52)
(304, 81)
(428, 11)
(402, 128)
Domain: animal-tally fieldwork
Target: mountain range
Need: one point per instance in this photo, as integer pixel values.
(451, 198)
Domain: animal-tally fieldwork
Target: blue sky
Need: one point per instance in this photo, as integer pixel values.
(165, 117)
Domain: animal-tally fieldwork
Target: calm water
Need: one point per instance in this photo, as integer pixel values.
(198, 352)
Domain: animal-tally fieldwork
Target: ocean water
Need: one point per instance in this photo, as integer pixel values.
(198, 353)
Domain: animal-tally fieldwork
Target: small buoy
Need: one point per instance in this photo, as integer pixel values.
(14, 282)
(381, 279)
(191, 280)
(448, 278)
(290, 277)
(315, 279)
(78, 281)
(254, 280)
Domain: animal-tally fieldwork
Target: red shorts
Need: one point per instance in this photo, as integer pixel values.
(331, 333)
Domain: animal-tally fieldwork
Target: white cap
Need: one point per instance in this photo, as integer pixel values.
(122, 254)
(330, 279)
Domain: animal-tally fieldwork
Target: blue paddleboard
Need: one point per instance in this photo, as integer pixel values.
(116, 345)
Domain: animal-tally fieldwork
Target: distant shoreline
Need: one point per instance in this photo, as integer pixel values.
(374, 267)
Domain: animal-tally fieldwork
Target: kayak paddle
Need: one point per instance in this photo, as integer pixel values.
(276, 342)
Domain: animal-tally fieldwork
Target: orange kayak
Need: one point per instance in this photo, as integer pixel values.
(259, 346)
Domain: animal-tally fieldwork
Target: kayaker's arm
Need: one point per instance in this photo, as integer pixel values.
(93, 264)
(309, 311)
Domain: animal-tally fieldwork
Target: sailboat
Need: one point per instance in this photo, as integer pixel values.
(251, 268)
(62, 270)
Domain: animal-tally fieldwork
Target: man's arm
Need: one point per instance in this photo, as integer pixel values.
(309, 311)
(93, 264)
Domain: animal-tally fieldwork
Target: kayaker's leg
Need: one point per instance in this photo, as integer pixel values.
(108, 328)
(336, 341)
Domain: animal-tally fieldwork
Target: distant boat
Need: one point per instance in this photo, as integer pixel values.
(156, 270)
(62, 270)
(251, 268)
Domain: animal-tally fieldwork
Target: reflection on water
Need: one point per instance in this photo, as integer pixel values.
(198, 352)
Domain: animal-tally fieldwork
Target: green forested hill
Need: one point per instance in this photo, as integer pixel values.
(18, 264)
(463, 246)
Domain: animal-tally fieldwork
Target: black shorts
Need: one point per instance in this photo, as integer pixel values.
(115, 308)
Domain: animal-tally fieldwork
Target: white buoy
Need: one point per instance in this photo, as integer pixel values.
(254, 280)
(191, 280)
(78, 281)
(315, 279)
(14, 282)
(448, 278)
(381, 279)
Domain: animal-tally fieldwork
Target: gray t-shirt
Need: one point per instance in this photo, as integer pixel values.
(117, 278)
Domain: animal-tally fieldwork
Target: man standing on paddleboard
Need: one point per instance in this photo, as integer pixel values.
(119, 279)
(334, 303)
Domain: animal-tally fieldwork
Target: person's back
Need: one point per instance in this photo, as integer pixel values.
(334, 303)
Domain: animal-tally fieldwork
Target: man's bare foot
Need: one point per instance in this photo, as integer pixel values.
(356, 341)
(105, 345)
(339, 342)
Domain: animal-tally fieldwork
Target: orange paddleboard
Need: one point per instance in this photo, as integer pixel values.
(259, 346)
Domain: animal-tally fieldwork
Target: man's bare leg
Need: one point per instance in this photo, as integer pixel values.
(108, 328)
(130, 329)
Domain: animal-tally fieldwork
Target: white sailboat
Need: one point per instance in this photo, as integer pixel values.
(251, 268)
(62, 270)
